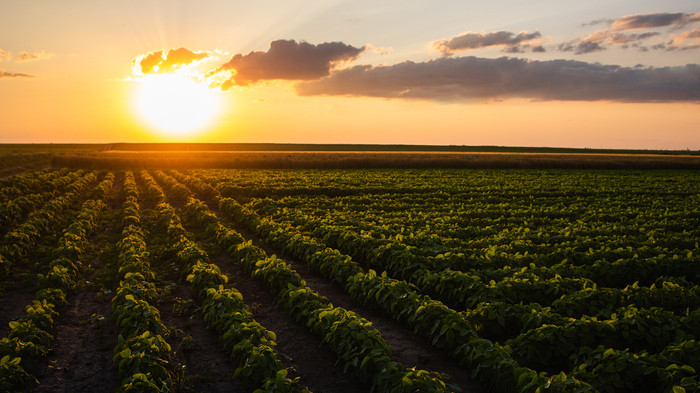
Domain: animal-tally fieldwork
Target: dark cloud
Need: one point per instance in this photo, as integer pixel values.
(165, 60)
(628, 39)
(510, 42)
(650, 21)
(598, 40)
(288, 60)
(597, 22)
(5, 74)
(581, 47)
(473, 78)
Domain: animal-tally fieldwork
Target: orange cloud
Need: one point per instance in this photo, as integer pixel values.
(685, 40)
(165, 60)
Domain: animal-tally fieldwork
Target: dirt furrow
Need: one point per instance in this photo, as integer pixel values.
(14, 298)
(80, 359)
(200, 364)
(315, 364)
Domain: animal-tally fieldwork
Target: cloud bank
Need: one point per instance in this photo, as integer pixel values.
(288, 60)
(509, 42)
(322, 69)
(473, 78)
(165, 60)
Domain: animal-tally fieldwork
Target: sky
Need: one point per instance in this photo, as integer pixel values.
(593, 74)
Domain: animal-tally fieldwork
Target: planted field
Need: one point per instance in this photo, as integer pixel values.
(350, 280)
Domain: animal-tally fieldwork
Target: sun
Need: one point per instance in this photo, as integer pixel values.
(176, 105)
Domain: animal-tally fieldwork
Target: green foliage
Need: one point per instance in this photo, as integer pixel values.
(12, 376)
(533, 281)
(546, 266)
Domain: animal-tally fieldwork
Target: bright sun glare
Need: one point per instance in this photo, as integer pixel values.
(176, 105)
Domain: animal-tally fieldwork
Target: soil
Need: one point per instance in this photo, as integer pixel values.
(80, 359)
(197, 354)
(15, 297)
(314, 364)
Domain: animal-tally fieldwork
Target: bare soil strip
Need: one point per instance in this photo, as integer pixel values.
(15, 297)
(80, 359)
(200, 362)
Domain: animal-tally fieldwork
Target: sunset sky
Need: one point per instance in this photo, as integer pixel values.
(596, 73)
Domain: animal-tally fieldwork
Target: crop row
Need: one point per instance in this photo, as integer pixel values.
(250, 344)
(619, 325)
(141, 353)
(29, 339)
(443, 327)
(356, 343)
(31, 182)
(16, 243)
(16, 207)
(617, 259)
(550, 347)
(570, 295)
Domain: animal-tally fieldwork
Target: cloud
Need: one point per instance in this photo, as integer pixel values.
(685, 40)
(6, 74)
(288, 60)
(26, 56)
(510, 42)
(596, 41)
(630, 39)
(165, 60)
(615, 34)
(473, 78)
(580, 47)
(650, 21)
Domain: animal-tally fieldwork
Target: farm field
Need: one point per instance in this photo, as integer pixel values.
(384, 280)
